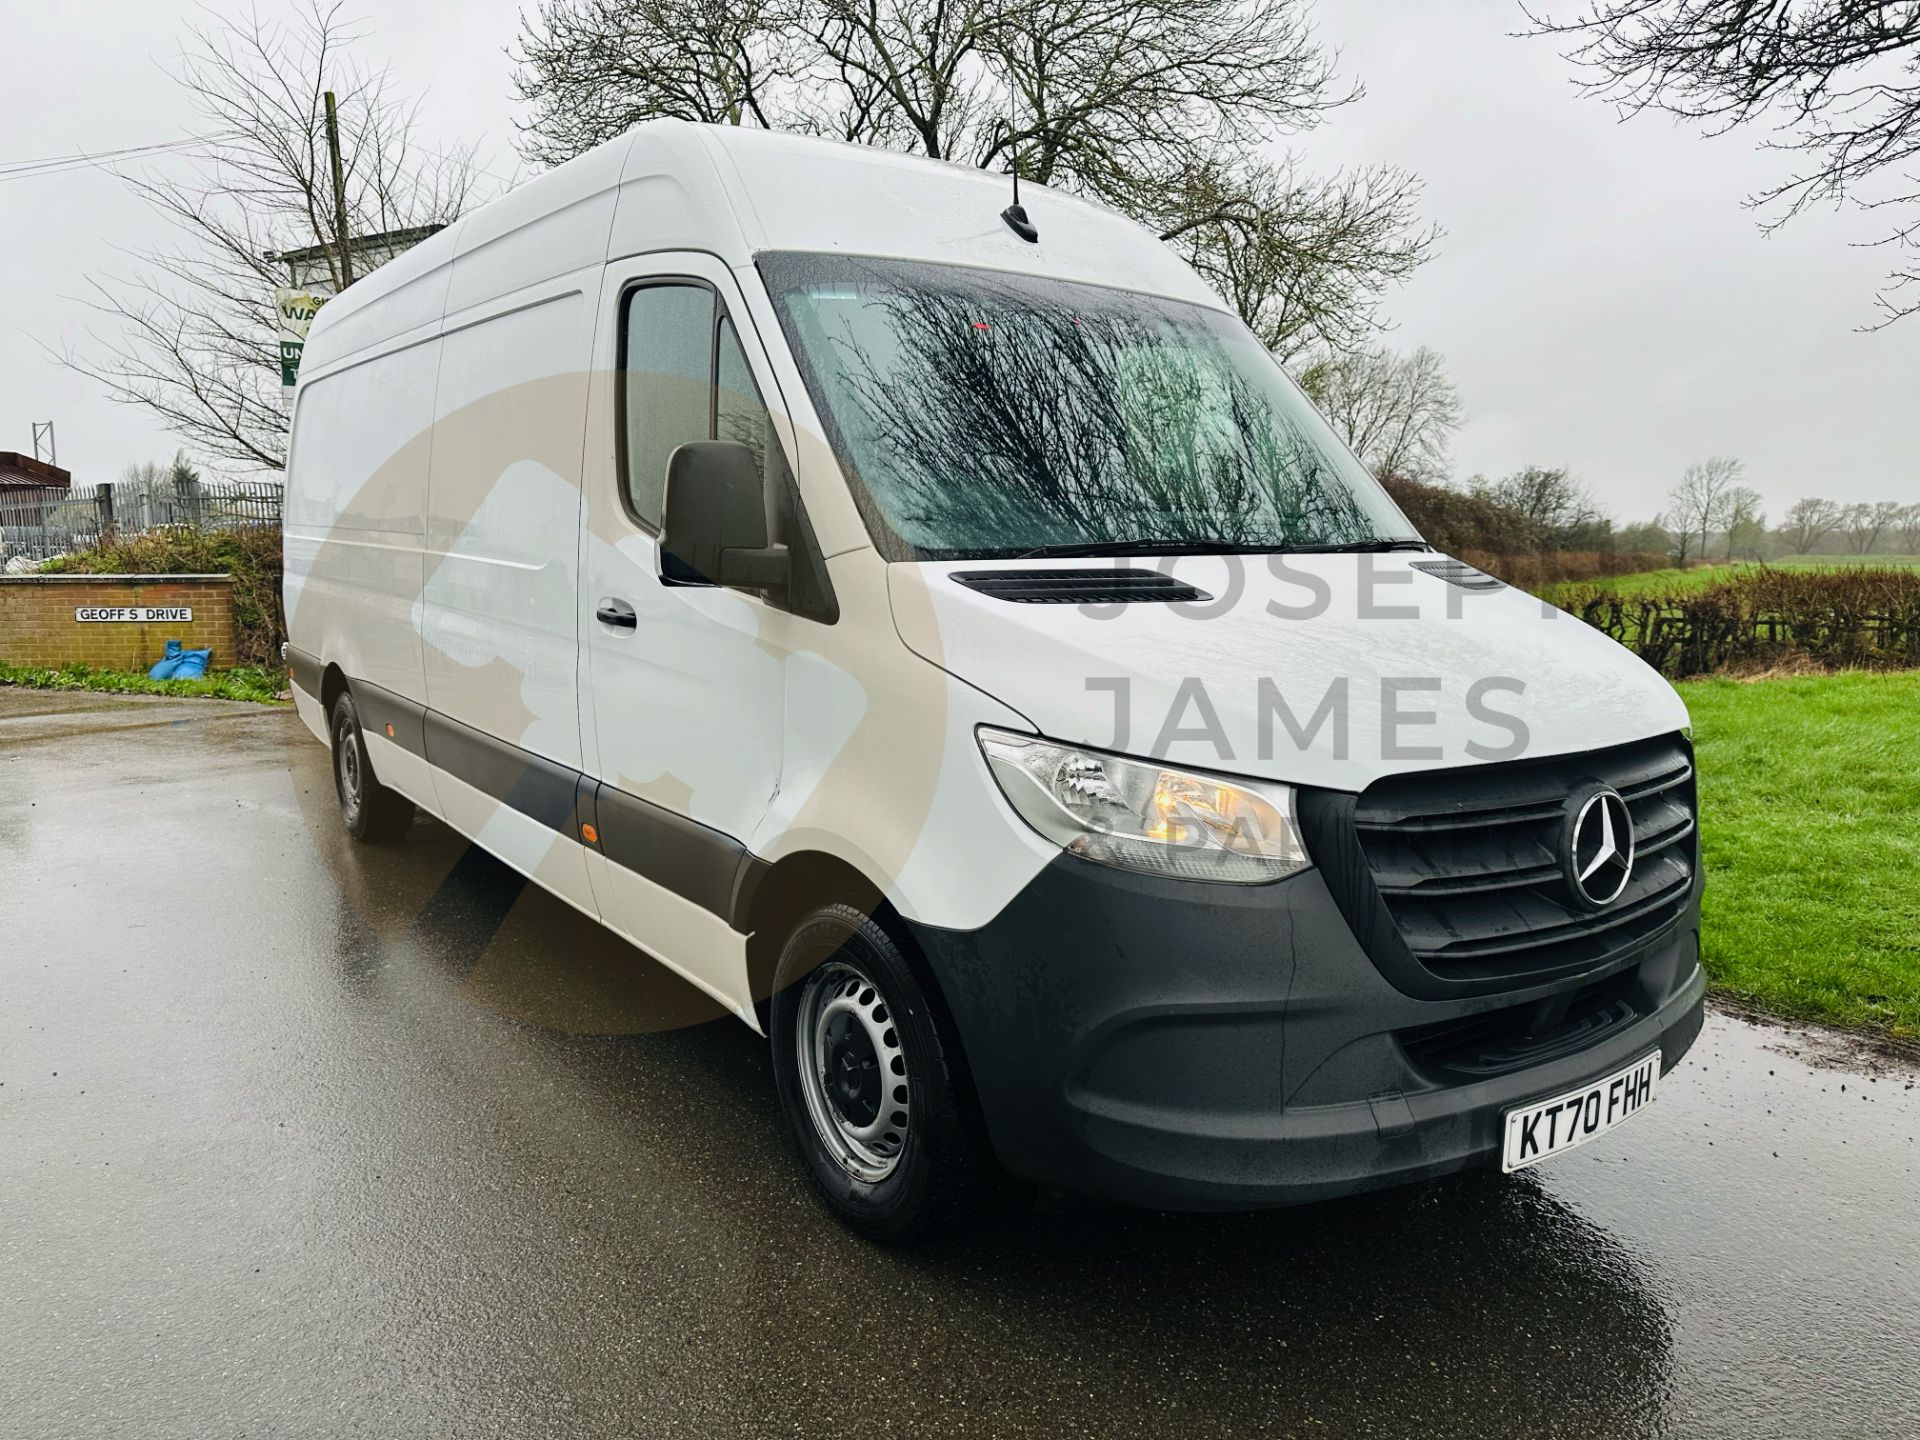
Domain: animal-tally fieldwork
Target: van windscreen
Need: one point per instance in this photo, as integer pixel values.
(985, 414)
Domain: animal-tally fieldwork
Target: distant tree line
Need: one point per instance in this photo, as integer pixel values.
(1399, 413)
(1711, 515)
(1863, 528)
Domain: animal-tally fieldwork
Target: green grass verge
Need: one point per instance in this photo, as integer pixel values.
(1681, 582)
(258, 683)
(1810, 827)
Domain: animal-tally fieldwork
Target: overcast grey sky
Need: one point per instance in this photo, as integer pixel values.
(1602, 299)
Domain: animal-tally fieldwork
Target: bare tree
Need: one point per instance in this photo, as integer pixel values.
(1863, 524)
(1158, 108)
(1398, 413)
(178, 471)
(1837, 82)
(594, 68)
(1907, 529)
(1808, 522)
(1558, 507)
(1745, 522)
(1698, 505)
(194, 329)
(1886, 521)
(1853, 523)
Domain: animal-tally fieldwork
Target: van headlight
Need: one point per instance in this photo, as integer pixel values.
(1142, 816)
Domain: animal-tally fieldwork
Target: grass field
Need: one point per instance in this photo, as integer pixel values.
(1670, 582)
(1810, 825)
(258, 683)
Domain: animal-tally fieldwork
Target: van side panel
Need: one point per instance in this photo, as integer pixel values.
(499, 611)
(500, 606)
(355, 527)
(356, 487)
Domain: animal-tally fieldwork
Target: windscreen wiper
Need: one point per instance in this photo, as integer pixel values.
(1142, 547)
(1214, 547)
(1353, 547)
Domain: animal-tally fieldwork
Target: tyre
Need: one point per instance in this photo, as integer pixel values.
(369, 809)
(873, 1085)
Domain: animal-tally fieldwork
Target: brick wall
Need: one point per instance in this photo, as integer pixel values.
(38, 627)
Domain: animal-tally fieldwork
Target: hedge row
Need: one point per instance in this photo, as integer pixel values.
(1531, 570)
(1835, 620)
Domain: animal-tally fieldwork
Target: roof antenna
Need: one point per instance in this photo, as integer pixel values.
(1016, 214)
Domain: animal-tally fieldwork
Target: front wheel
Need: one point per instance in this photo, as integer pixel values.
(369, 809)
(872, 1084)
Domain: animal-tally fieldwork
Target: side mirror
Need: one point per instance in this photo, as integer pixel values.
(714, 531)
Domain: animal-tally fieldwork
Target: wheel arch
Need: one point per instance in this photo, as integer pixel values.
(333, 684)
(794, 886)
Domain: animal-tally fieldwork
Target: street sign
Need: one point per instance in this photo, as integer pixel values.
(296, 311)
(135, 614)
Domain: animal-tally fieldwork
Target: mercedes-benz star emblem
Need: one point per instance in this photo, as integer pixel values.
(1597, 851)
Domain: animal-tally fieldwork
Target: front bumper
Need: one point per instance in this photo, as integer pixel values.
(1195, 1046)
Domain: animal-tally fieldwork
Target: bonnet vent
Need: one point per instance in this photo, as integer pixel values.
(1458, 572)
(1080, 587)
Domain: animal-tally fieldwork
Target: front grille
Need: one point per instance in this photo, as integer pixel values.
(1098, 586)
(1452, 878)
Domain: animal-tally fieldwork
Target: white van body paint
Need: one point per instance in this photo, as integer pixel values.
(1319, 624)
(454, 517)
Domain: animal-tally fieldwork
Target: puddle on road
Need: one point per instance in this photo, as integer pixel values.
(1776, 1206)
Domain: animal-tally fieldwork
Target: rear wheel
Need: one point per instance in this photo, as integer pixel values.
(872, 1084)
(369, 809)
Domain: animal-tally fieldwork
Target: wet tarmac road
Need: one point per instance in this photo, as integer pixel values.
(300, 1138)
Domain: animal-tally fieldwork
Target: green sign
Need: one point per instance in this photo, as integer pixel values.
(296, 311)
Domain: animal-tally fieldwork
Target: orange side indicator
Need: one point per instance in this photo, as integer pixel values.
(389, 732)
(590, 835)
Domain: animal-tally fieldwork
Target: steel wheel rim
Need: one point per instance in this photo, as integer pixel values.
(853, 1066)
(347, 769)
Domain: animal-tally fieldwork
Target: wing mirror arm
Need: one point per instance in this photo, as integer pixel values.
(714, 530)
(764, 568)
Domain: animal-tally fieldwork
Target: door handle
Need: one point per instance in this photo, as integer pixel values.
(617, 613)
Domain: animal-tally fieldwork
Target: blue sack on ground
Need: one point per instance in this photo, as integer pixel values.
(169, 665)
(192, 665)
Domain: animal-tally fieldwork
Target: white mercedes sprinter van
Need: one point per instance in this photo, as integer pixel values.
(946, 638)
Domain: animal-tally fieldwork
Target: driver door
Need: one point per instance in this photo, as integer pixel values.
(683, 699)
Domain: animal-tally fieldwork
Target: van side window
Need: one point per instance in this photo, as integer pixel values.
(666, 359)
(738, 412)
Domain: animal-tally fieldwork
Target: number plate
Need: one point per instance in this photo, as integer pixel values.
(1553, 1127)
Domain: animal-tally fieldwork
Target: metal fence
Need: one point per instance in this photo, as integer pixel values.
(38, 524)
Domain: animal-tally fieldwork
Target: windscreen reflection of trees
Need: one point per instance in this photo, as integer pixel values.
(1048, 427)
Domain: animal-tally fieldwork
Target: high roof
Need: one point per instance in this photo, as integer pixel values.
(794, 192)
(735, 192)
